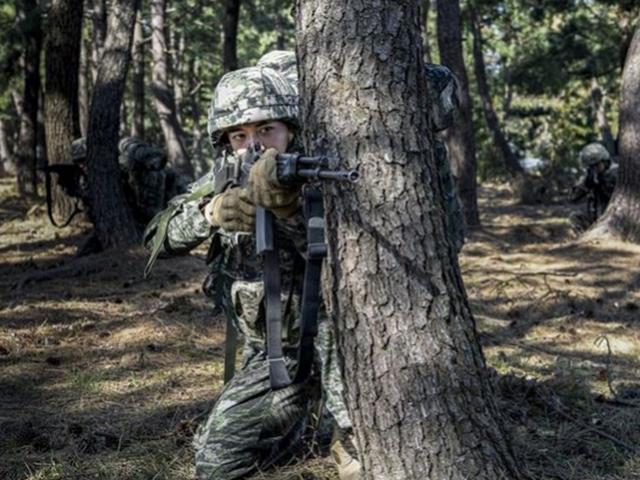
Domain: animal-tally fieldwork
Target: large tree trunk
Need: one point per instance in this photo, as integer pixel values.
(163, 93)
(599, 101)
(460, 137)
(28, 138)
(110, 214)
(137, 125)
(509, 160)
(62, 62)
(621, 219)
(230, 35)
(414, 372)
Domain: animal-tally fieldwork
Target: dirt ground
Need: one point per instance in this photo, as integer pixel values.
(106, 376)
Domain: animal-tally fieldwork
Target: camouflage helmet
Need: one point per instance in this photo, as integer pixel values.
(594, 153)
(79, 150)
(444, 96)
(137, 155)
(284, 62)
(248, 95)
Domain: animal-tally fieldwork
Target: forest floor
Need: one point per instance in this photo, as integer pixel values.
(106, 376)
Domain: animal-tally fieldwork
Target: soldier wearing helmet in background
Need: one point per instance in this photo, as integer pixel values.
(147, 182)
(252, 425)
(595, 186)
(444, 103)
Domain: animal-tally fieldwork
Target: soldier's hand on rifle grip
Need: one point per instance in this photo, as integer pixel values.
(232, 210)
(266, 191)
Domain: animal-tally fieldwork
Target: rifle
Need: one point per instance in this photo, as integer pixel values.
(293, 170)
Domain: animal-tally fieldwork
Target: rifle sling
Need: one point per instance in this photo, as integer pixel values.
(278, 373)
(49, 199)
(230, 348)
(316, 252)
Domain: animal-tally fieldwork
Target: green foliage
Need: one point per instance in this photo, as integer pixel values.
(542, 56)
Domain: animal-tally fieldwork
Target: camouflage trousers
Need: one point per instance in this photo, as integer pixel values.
(252, 427)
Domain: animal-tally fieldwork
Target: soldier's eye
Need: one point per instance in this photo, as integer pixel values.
(237, 136)
(266, 130)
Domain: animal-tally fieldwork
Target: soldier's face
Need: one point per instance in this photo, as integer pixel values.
(270, 134)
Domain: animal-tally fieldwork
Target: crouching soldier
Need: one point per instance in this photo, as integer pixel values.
(594, 187)
(255, 423)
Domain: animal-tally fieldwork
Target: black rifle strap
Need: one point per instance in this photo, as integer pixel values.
(316, 252)
(230, 348)
(266, 246)
(48, 196)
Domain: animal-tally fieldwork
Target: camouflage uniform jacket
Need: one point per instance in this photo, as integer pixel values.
(242, 286)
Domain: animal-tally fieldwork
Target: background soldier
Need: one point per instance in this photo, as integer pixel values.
(595, 186)
(444, 103)
(147, 181)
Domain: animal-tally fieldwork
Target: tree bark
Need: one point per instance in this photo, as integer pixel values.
(28, 139)
(599, 101)
(163, 93)
(414, 372)
(177, 70)
(621, 219)
(99, 34)
(7, 161)
(110, 213)
(426, 6)
(230, 35)
(83, 87)
(460, 137)
(62, 62)
(198, 137)
(137, 125)
(509, 160)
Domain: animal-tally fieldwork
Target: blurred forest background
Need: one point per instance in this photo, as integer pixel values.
(552, 67)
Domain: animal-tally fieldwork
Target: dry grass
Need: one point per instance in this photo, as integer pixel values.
(105, 376)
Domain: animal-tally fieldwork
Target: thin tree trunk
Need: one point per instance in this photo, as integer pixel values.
(137, 125)
(621, 219)
(281, 29)
(414, 372)
(99, 35)
(7, 161)
(230, 35)
(460, 137)
(177, 72)
(83, 87)
(199, 160)
(163, 93)
(509, 160)
(28, 138)
(110, 213)
(426, 6)
(62, 62)
(599, 101)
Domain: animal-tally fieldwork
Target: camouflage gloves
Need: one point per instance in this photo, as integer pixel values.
(231, 210)
(266, 191)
